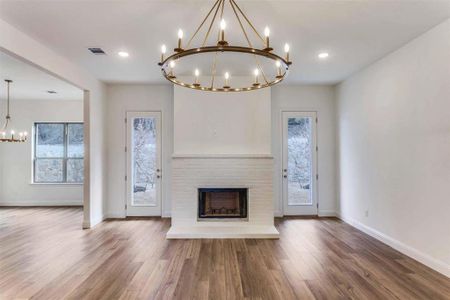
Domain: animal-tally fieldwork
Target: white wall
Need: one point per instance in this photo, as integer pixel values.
(394, 132)
(17, 43)
(221, 123)
(307, 98)
(129, 97)
(16, 159)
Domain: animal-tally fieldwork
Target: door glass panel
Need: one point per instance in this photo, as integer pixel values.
(143, 141)
(299, 161)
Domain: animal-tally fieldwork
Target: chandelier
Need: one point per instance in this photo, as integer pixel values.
(258, 75)
(12, 136)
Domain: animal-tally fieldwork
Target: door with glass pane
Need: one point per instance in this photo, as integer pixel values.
(299, 168)
(144, 171)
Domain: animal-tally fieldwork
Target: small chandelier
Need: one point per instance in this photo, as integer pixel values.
(260, 77)
(11, 136)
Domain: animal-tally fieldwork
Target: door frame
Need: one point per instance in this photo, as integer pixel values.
(314, 211)
(128, 174)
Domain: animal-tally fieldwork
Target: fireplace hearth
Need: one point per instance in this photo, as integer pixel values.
(222, 203)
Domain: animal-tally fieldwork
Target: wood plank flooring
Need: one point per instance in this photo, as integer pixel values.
(45, 255)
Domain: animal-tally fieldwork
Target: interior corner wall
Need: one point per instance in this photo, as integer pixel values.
(321, 99)
(394, 133)
(17, 43)
(16, 159)
(123, 98)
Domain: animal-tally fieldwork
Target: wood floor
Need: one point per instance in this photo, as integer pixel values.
(45, 255)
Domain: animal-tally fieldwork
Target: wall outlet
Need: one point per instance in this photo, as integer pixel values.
(366, 213)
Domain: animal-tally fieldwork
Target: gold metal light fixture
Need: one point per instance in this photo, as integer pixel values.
(215, 16)
(7, 134)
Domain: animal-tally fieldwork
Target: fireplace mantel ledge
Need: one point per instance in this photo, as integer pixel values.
(243, 156)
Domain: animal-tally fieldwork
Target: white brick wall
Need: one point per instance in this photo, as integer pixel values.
(191, 173)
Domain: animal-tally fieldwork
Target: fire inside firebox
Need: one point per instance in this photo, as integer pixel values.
(222, 203)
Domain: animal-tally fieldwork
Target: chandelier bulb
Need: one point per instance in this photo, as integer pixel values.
(163, 51)
(267, 34)
(197, 74)
(278, 64)
(171, 73)
(227, 78)
(223, 25)
(222, 41)
(286, 49)
(256, 73)
(180, 37)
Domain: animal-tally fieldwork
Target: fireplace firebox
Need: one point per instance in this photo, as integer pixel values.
(222, 203)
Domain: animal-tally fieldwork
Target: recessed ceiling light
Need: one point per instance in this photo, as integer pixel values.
(123, 54)
(323, 55)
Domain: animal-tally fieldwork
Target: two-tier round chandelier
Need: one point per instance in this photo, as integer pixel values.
(7, 134)
(262, 74)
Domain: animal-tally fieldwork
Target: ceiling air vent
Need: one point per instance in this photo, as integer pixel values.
(97, 51)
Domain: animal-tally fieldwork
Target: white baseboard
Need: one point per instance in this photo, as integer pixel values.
(421, 257)
(326, 213)
(321, 213)
(166, 214)
(41, 203)
(111, 215)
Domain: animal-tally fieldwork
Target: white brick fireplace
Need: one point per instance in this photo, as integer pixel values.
(222, 141)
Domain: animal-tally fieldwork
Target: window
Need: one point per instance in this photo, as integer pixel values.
(58, 153)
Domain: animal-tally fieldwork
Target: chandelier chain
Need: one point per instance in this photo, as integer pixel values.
(201, 25)
(211, 24)
(248, 41)
(242, 26)
(214, 65)
(248, 21)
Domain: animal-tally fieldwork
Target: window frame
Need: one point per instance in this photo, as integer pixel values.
(64, 159)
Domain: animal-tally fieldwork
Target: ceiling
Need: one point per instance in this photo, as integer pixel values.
(354, 33)
(30, 83)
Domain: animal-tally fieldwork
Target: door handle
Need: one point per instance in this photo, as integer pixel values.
(158, 170)
(157, 176)
(285, 176)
